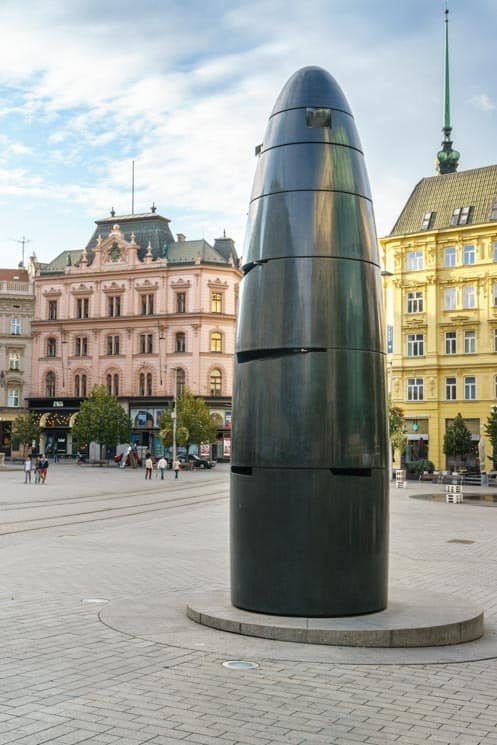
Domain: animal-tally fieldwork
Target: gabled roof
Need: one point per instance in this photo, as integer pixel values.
(476, 188)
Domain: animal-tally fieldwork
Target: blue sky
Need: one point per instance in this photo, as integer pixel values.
(185, 89)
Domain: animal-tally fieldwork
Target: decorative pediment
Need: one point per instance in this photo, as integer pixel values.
(218, 284)
(146, 285)
(181, 284)
(81, 289)
(52, 292)
(114, 249)
(113, 288)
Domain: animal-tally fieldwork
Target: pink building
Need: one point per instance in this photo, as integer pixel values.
(137, 311)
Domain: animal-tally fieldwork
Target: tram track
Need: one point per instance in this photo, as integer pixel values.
(110, 512)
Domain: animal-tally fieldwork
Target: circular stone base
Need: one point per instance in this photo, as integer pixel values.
(412, 619)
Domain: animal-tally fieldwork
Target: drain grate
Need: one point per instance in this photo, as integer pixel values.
(460, 540)
(240, 665)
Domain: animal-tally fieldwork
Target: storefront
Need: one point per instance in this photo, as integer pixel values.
(56, 419)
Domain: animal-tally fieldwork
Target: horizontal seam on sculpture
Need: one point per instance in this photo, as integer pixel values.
(250, 355)
(311, 106)
(311, 142)
(329, 191)
(250, 265)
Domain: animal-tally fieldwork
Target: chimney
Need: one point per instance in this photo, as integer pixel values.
(181, 237)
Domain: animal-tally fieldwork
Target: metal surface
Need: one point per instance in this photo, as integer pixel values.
(309, 488)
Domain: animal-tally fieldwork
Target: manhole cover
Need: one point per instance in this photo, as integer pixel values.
(459, 540)
(240, 665)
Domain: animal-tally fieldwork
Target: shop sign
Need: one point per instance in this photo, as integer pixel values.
(227, 447)
(58, 404)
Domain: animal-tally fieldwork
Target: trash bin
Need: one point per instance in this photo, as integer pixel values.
(484, 478)
(2, 459)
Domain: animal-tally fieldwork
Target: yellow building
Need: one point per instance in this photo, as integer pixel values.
(441, 300)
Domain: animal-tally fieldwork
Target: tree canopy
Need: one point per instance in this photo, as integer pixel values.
(396, 428)
(101, 419)
(491, 431)
(457, 438)
(194, 422)
(25, 428)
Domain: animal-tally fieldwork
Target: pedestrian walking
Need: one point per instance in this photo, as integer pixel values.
(149, 465)
(37, 470)
(162, 467)
(43, 468)
(28, 465)
(176, 468)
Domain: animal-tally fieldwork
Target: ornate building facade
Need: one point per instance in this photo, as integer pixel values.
(16, 312)
(441, 300)
(142, 313)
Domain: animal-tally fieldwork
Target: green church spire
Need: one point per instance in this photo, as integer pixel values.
(447, 158)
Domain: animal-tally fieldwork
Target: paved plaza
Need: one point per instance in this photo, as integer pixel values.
(97, 566)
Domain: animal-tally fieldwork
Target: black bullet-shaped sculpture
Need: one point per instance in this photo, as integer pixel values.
(309, 486)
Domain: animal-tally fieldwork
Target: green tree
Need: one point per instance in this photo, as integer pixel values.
(457, 439)
(25, 429)
(491, 431)
(396, 428)
(101, 419)
(194, 422)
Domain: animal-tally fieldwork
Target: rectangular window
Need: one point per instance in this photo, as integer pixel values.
(147, 305)
(14, 361)
(15, 326)
(14, 397)
(414, 261)
(450, 389)
(450, 256)
(114, 306)
(450, 342)
(181, 302)
(216, 302)
(82, 307)
(52, 310)
(468, 296)
(461, 216)
(494, 295)
(469, 254)
(428, 220)
(414, 389)
(469, 342)
(495, 340)
(414, 302)
(450, 298)
(493, 212)
(81, 349)
(495, 251)
(113, 345)
(415, 345)
(146, 343)
(470, 388)
(495, 386)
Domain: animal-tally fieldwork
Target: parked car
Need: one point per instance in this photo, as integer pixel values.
(196, 461)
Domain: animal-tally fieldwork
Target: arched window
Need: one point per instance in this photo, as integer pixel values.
(14, 396)
(149, 384)
(216, 342)
(116, 384)
(50, 384)
(51, 347)
(77, 386)
(180, 342)
(141, 386)
(216, 382)
(108, 383)
(180, 381)
(83, 385)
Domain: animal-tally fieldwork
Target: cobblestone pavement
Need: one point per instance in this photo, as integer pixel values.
(92, 535)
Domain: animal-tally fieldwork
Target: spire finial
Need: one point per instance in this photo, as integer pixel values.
(447, 158)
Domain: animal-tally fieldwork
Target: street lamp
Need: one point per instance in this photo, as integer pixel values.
(173, 415)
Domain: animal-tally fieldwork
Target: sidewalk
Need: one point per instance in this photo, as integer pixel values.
(101, 551)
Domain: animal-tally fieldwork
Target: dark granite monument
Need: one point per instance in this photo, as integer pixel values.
(309, 483)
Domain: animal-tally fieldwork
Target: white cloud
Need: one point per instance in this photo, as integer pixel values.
(483, 102)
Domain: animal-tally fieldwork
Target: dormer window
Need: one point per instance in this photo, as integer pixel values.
(428, 220)
(462, 216)
(493, 212)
